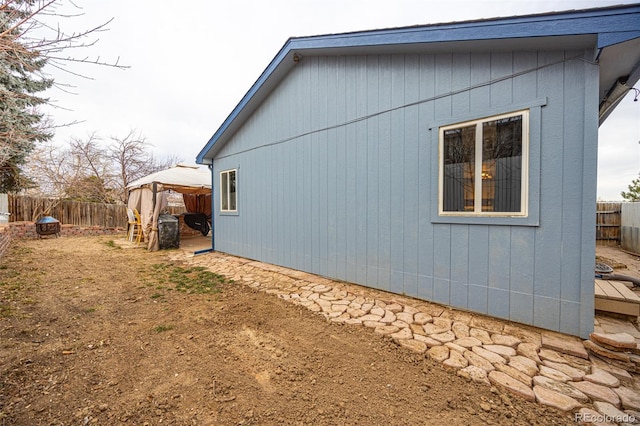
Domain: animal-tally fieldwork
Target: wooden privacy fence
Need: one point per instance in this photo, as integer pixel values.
(608, 220)
(30, 209)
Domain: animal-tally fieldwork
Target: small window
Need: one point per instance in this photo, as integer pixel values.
(228, 191)
(483, 167)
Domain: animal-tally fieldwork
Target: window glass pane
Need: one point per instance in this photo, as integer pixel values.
(224, 191)
(232, 190)
(502, 165)
(458, 173)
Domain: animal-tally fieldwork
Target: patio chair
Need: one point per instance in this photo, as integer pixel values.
(135, 225)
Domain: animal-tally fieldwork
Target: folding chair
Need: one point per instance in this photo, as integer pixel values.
(135, 225)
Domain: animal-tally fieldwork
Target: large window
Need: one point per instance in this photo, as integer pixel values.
(483, 166)
(228, 191)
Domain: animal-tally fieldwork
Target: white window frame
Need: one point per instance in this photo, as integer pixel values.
(226, 191)
(477, 212)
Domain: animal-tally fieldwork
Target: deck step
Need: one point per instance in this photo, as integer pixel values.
(614, 296)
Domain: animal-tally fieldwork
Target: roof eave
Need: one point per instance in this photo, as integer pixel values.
(599, 23)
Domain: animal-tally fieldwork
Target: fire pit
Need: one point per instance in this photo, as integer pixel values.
(48, 225)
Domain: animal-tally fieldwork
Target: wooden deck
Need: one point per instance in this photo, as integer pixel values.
(614, 296)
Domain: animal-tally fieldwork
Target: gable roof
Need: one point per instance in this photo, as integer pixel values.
(614, 33)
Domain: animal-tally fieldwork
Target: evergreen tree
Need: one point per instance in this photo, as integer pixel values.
(634, 191)
(21, 124)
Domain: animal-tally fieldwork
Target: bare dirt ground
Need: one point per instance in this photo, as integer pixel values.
(94, 334)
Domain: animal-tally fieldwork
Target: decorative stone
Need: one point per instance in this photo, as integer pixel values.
(467, 342)
(553, 356)
(615, 340)
(475, 374)
(504, 340)
(394, 307)
(622, 375)
(400, 324)
(526, 365)
(386, 329)
(504, 381)
(417, 329)
(370, 317)
(404, 333)
(431, 328)
(529, 350)
(601, 377)
(504, 351)
(605, 353)
(367, 307)
(516, 374)
(410, 310)
(376, 310)
(555, 399)
(443, 323)
(481, 335)
(452, 346)
(421, 318)
(380, 304)
(492, 357)
(565, 344)
(342, 318)
(597, 392)
(388, 317)
(405, 316)
(445, 337)
(574, 373)
(438, 353)
(460, 329)
(455, 361)
(339, 308)
(373, 324)
(549, 355)
(427, 340)
(413, 345)
(609, 411)
(629, 398)
(478, 361)
(321, 289)
(355, 313)
(554, 374)
(563, 388)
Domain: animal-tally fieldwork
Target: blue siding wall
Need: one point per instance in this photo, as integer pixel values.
(330, 185)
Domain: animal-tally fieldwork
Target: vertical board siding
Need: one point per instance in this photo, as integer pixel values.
(335, 177)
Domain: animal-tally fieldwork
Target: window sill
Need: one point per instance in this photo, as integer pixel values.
(487, 220)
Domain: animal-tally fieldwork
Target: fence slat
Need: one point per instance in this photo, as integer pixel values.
(30, 209)
(608, 220)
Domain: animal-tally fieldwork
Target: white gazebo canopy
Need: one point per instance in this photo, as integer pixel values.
(147, 194)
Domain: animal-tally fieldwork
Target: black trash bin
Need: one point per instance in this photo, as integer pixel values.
(168, 231)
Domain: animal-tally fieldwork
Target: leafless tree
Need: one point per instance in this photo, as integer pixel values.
(92, 169)
(131, 158)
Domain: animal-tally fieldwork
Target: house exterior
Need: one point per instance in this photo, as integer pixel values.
(454, 163)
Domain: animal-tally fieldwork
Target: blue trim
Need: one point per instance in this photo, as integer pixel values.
(203, 251)
(213, 228)
(611, 25)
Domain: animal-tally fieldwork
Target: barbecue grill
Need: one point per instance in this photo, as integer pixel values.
(48, 225)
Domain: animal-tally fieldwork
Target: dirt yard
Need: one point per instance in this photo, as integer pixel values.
(91, 333)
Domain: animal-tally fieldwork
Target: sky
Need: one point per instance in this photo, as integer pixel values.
(190, 63)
